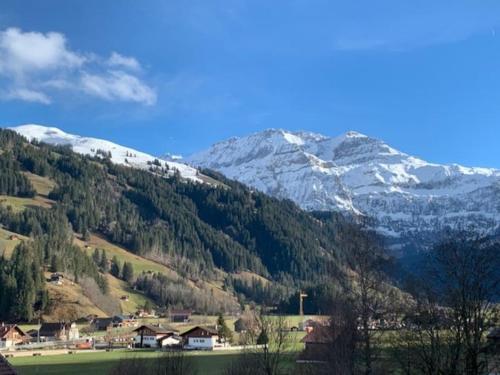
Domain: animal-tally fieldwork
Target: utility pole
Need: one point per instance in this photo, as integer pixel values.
(302, 295)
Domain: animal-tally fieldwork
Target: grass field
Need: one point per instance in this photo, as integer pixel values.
(7, 244)
(209, 363)
(42, 185)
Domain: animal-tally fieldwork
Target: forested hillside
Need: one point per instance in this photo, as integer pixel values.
(200, 230)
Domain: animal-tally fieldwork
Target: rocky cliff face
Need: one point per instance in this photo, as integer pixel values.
(403, 196)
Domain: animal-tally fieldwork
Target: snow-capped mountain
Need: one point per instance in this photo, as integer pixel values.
(357, 174)
(93, 146)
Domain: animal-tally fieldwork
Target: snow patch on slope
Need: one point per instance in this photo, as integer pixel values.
(91, 146)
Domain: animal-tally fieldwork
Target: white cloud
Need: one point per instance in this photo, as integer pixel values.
(118, 85)
(22, 52)
(28, 96)
(117, 60)
(37, 66)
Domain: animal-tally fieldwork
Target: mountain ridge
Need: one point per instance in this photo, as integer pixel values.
(402, 196)
(360, 175)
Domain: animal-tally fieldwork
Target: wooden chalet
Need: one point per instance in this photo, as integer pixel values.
(180, 316)
(101, 324)
(59, 331)
(11, 335)
(149, 336)
(202, 338)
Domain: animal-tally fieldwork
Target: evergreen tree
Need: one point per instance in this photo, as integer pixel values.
(115, 267)
(223, 331)
(103, 262)
(96, 257)
(148, 306)
(128, 272)
(86, 235)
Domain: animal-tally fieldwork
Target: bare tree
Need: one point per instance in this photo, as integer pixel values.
(468, 279)
(445, 333)
(268, 344)
(366, 289)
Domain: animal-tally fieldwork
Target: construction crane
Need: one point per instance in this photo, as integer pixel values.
(302, 295)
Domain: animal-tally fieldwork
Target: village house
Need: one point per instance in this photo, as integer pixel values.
(101, 324)
(56, 278)
(120, 321)
(180, 316)
(200, 338)
(149, 336)
(59, 332)
(11, 335)
(317, 342)
(142, 313)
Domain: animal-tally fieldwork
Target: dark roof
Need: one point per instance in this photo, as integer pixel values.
(211, 331)
(102, 322)
(51, 329)
(6, 328)
(123, 317)
(5, 367)
(180, 312)
(155, 329)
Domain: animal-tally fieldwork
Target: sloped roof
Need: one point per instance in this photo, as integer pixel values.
(156, 329)
(210, 331)
(319, 335)
(180, 312)
(6, 328)
(51, 329)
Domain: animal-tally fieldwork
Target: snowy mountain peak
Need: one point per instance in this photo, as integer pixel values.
(93, 146)
(358, 174)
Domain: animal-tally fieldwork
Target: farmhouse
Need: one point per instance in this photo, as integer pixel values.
(59, 331)
(101, 324)
(149, 336)
(124, 321)
(11, 335)
(200, 338)
(180, 316)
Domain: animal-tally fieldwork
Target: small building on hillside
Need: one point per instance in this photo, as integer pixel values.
(11, 335)
(120, 321)
(200, 338)
(59, 332)
(142, 313)
(180, 316)
(149, 336)
(101, 324)
(5, 367)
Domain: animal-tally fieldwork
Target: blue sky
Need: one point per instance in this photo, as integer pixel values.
(177, 76)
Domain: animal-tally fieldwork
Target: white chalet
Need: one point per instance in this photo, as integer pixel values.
(200, 338)
(149, 336)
